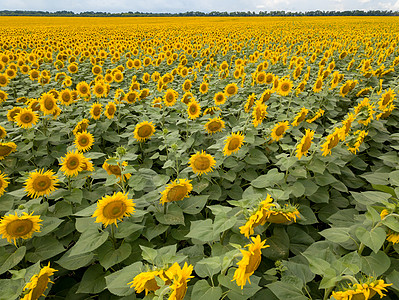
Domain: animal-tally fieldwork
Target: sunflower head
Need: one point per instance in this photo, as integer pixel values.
(83, 141)
(201, 162)
(214, 125)
(72, 163)
(193, 109)
(13, 227)
(110, 209)
(6, 149)
(26, 118)
(95, 111)
(170, 97)
(231, 89)
(279, 129)
(176, 191)
(259, 113)
(305, 143)
(110, 110)
(38, 283)
(284, 87)
(233, 143)
(3, 183)
(143, 131)
(40, 183)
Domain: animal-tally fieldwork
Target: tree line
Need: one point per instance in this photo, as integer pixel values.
(276, 13)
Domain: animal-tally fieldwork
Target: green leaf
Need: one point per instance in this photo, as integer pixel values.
(148, 254)
(373, 238)
(69, 262)
(11, 289)
(325, 179)
(109, 257)
(272, 178)
(279, 244)
(375, 264)
(394, 178)
(393, 278)
(370, 197)
(336, 234)
(208, 267)
(284, 291)
(391, 222)
(194, 204)
(330, 279)
(88, 241)
(75, 196)
(351, 262)
(174, 215)
(203, 291)
(300, 271)
(13, 259)
(48, 225)
(201, 230)
(93, 281)
(317, 265)
(45, 248)
(117, 283)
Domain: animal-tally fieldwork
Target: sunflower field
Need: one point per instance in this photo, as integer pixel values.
(199, 158)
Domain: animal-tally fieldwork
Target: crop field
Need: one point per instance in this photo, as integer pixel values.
(199, 158)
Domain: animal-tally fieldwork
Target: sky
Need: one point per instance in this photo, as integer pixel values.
(174, 6)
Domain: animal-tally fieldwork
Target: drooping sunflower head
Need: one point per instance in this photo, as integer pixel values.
(305, 143)
(179, 277)
(3, 183)
(3, 132)
(187, 97)
(318, 86)
(110, 110)
(301, 116)
(143, 131)
(38, 283)
(111, 209)
(95, 111)
(13, 227)
(233, 143)
(83, 141)
(116, 170)
(81, 126)
(201, 162)
(176, 191)
(145, 281)
(279, 129)
(265, 95)
(231, 89)
(214, 125)
(6, 149)
(193, 109)
(332, 140)
(365, 289)
(72, 163)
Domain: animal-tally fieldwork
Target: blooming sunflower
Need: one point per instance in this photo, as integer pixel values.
(26, 118)
(318, 114)
(3, 96)
(233, 143)
(187, 97)
(4, 80)
(176, 191)
(265, 95)
(99, 89)
(83, 141)
(81, 126)
(110, 110)
(170, 97)
(40, 183)
(219, 98)
(131, 97)
(318, 86)
(259, 113)
(179, 277)
(361, 134)
(3, 183)
(193, 109)
(304, 145)
(143, 131)
(203, 88)
(250, 102)
(83, 89)
(201, 162)
(38, 283)
(48, 104)
(13, 227)
(279, 129)
(214, 125)
(260, 77)
(284, 87)
(331, 141)
(95, 111)
(12, 113)
(346, 126)
(231, 89)
(386, 99)
(6, 149)
(393, 237)
(362, 291)
(300, 116)
(65, 97)
(187, 85)
(250, 261)
(72, 163)
(145, 281)
(3, 132)
(110, 209)
(87, 165)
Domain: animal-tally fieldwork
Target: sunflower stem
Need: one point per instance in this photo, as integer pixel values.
(327, 293)
(69, 183)
(113, 235)
(165, 208)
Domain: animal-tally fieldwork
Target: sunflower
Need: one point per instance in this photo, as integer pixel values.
(385, 113)
(118, 76)
(211, 110)
(214, 125)
(393, 237)
(40, 183)
(231, 89)
(66, 97)
(110, 209)
(13, 227)
(115, 170)
(4, 80)
(143, 131)
(145, 281)
(233, 143)
(187, 85)
(364, 290)
(26, 118)
(83, 141)
(179, 277)
(176, 191)
(260, 77)
(301, 116)
(81, 126)
(203, 87)
(73, 68)
(3, 132)
(201, 162)
(131, 97)
(304, 145)
(284, 87)
(95, 111)
(99, 89)
(193, 109)
(318, 114)
(250, 261)
(345, 89)
(38, 283)
(12, 113)
(6, 149)
(361, 134)
(318, 86)
(187, 97)
(110, 110)
(259, 113)
(72, 163)
(331, 141)
(269, 78)
(96, 69)
(170, 97)
(87, 165)
(386, 99)
(3, 96)
(346, 126)
(219, 98)
(279, 129)
(48, 104)
(83, 89)
(3, 183)
(250, 102)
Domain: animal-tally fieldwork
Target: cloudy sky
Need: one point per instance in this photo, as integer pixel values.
(197, 5)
